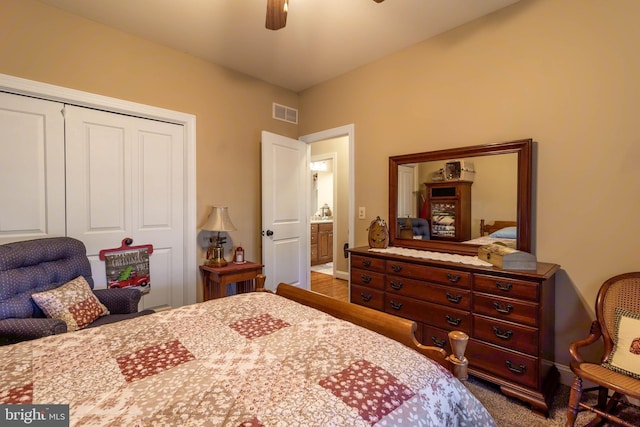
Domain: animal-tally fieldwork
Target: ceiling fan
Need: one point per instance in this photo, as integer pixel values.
(277, 13)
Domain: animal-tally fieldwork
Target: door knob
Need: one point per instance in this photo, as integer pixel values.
(269, 233)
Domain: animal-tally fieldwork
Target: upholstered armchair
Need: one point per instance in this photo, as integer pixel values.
(36, 266)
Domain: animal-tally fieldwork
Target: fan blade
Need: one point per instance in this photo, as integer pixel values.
(378, 1)
(276, 14)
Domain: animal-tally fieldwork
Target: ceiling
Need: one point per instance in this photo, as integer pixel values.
(322, 39)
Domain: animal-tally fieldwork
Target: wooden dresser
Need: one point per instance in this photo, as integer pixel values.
(508, 315)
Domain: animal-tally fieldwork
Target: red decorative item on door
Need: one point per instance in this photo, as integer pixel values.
(128, 266)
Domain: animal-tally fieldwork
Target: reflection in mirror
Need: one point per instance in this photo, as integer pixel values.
(447, 200)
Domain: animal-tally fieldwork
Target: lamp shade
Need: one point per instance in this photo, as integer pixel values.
(219, 220)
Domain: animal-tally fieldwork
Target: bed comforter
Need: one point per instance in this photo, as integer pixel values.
(253, 359)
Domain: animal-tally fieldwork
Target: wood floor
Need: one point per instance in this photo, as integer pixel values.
(328, 285)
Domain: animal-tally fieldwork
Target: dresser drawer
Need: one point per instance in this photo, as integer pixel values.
(366, 263)
(426, 312)
(511, 288)
(514, 367)
(452, 297)
(506, 309)
(436, 337)
(368, 297)
(515, 337)
(367, 278)
(431, 274)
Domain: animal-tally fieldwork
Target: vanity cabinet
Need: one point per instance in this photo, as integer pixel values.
(449, 210)
(508, 315)
(321, 243)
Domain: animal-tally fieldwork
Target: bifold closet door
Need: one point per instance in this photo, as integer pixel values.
(31, 168)
(125, 178)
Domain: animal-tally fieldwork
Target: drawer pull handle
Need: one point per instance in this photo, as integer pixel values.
(454, 298)
(366, 263)
(452, 321)
(396, 268)
(365, 297)
(502, 310)
(437, 342)
(505, 335)
(365, 278)
(395, 305)
(396, 285)
(504, 286)
(453, 278)
(521, 369)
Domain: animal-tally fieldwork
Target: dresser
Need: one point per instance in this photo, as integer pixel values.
(508, 315)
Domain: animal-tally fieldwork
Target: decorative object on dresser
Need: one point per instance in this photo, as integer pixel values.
(219, 220)
(507, 258)
(618, 325)
(509, 315)
(378, 233)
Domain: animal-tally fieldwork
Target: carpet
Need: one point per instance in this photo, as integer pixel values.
(509, 412)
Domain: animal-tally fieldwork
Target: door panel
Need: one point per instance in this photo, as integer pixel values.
(285, 203)
(31, 168)
(127, 181)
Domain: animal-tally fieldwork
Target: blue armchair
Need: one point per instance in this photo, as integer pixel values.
(43, 264)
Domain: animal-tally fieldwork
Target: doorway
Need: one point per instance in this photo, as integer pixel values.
(335, 188)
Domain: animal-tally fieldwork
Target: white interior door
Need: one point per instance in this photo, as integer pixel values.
(285, 205)
(31, 168)
(125, 179)
(407, 187)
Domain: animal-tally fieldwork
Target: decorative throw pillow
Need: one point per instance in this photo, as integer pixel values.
(73, 302)
(625, 357)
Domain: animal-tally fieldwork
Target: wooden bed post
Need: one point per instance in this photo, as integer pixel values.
(459, 363)
(260, 278)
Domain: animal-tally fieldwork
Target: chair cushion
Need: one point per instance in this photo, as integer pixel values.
(625, 357)
(73, 302)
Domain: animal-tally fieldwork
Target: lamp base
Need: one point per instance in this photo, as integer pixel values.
(217, 257)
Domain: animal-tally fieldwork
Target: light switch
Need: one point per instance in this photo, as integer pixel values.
(362, 213)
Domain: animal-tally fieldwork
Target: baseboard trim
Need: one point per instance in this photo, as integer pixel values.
(344, 275)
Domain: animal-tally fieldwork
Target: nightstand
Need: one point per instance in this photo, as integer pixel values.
(247, 276)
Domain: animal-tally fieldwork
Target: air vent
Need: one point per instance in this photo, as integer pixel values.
(284, 113)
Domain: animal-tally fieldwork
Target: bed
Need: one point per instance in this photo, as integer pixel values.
(258, 359)
(504, 232)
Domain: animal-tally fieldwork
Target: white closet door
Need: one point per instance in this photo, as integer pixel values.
(125, 179)
(31, 168)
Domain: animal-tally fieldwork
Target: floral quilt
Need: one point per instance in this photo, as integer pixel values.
(253, 359)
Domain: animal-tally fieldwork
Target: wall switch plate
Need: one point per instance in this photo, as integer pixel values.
(362, 213)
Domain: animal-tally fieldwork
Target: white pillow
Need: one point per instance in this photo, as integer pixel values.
(625, 357)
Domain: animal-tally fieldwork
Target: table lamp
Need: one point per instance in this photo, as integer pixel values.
(218, 220)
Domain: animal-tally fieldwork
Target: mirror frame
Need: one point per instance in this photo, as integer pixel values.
(524, 149)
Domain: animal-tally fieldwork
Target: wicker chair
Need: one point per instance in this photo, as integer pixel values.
(622, 291)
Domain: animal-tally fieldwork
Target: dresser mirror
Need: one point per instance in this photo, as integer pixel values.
(501, 191)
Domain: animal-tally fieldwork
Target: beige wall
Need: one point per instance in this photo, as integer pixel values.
(44, 44)
(563, 72)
